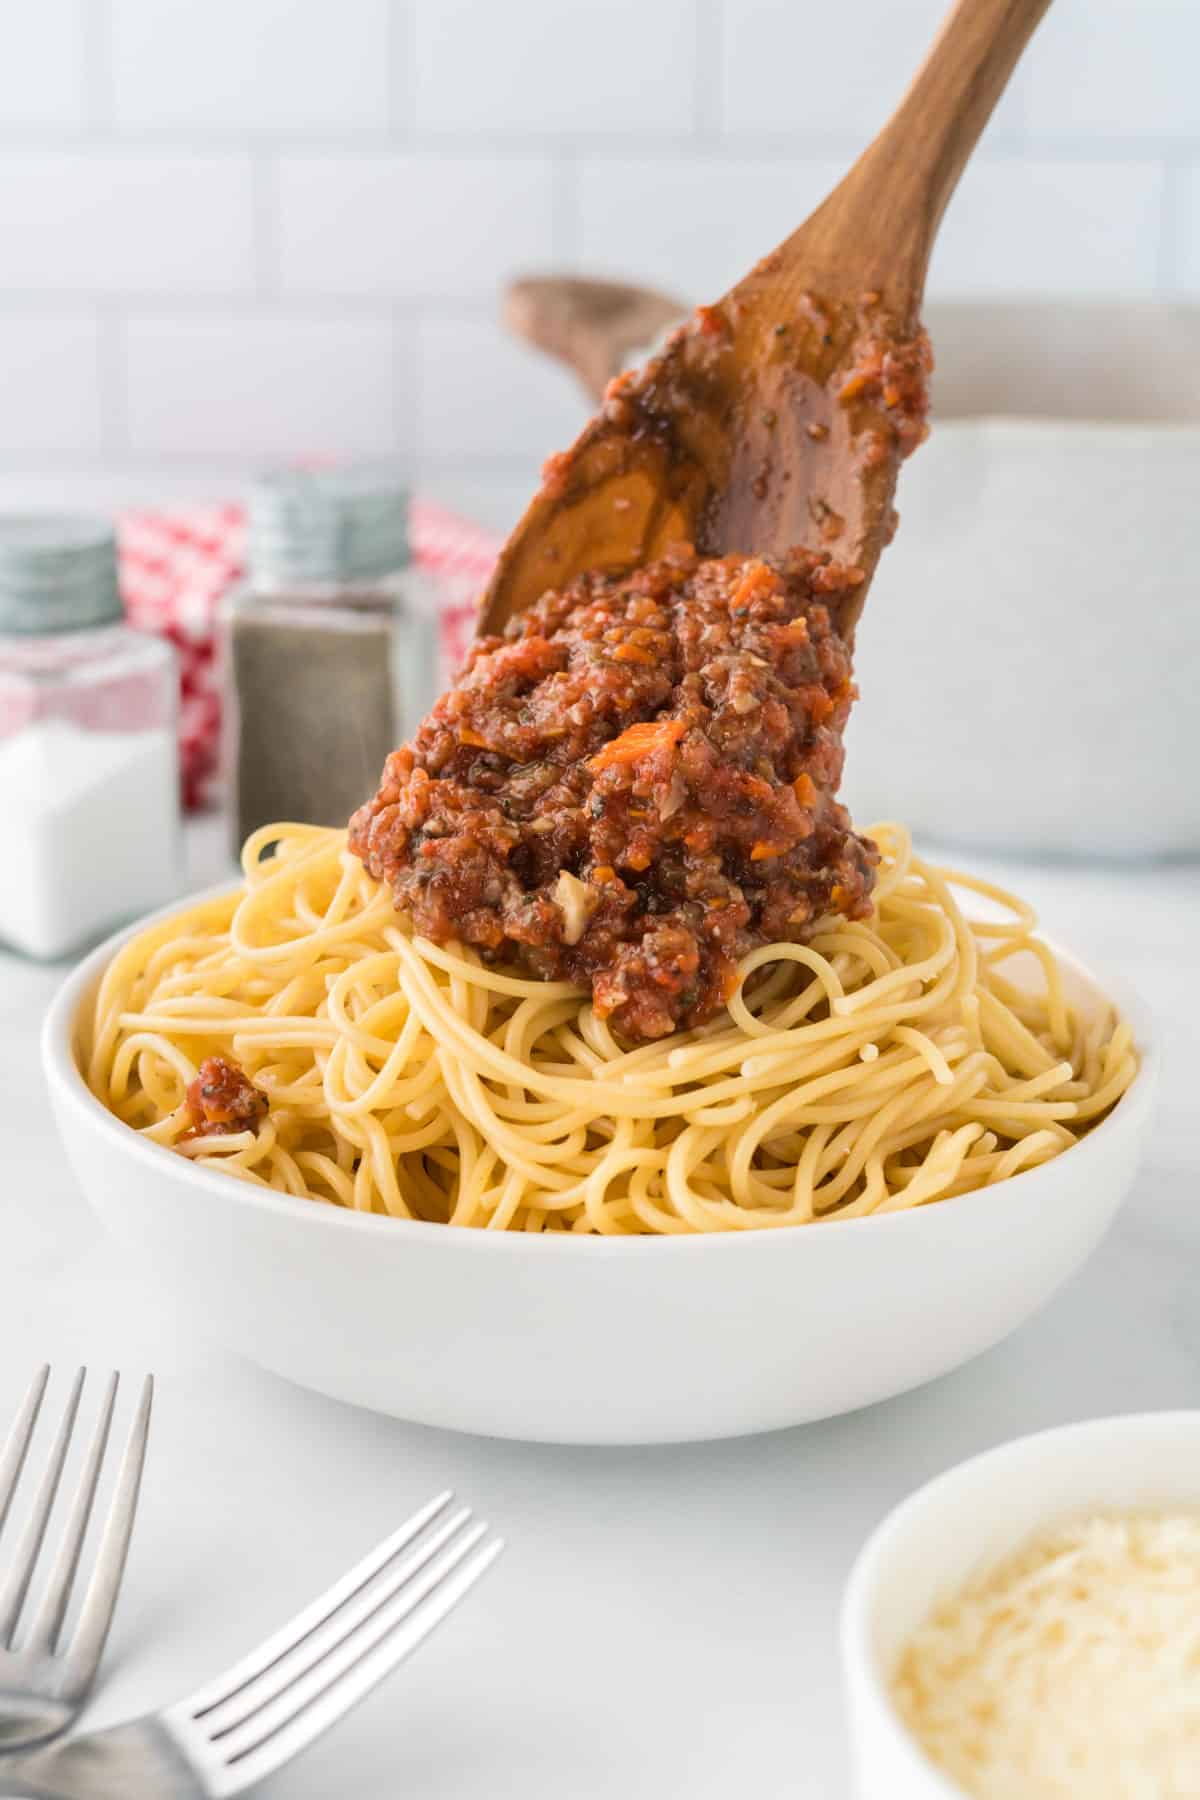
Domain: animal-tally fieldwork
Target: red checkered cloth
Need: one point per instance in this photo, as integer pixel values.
(176, 565)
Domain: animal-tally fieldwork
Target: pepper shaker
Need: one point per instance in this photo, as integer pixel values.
(330, 647)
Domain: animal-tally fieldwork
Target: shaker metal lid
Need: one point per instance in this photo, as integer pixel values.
(57, 573)
(327, 525)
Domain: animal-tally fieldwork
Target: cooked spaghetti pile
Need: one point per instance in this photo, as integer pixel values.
(884, 1064)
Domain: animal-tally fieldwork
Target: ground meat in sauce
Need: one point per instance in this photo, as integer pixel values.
(635, 785)
(896, 377)
(223, 1099)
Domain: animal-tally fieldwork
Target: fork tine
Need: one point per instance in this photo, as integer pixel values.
(293, 1633)
(359, 1665)
(19, 1439)
(284, 1673)
(49, 1617)
(15, 1588)
(339, 1655)
(84, 1651)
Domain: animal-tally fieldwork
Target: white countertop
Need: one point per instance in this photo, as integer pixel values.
(664, 1623)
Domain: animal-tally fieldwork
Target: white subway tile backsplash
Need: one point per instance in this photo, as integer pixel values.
(50, 380)
(1120, 69)
(413, 225)
(42, 77)
(1042, 226)
(251, 65)
(545, 66)
(254, 385)
(232, 229)
(99, 220)
(809, 67)
(480, 394)
(692, 225)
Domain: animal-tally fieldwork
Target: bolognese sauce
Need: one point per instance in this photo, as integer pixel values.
(635, 785)
(223, 1100)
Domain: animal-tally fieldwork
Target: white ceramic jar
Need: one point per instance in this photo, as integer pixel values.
(1030, 652)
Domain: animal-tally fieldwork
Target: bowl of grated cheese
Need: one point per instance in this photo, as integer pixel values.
(1027, 1626)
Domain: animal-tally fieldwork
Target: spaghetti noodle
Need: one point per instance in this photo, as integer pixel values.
(884, 1064)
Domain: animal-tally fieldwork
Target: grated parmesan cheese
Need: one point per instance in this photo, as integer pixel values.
(1070, 1670)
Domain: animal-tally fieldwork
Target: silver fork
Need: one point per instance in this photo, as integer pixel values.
(42, 1684)
(263, 1711)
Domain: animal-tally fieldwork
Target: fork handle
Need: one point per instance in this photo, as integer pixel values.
(137, 1761)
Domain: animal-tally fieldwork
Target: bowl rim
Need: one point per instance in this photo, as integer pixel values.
(878, 1553)
(68, 1087)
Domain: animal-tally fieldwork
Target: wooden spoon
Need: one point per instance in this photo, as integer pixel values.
(779, 416)
(593, 326)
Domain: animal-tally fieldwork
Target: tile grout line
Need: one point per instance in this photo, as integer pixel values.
(401, 70)
(1171, 229)
(707, 110)
(53, 464)
(302, 308)
(564, 209)
(96, 25)
(416, 393)
(112, 378)
(101, 135)
(405, 373)
(265, 250)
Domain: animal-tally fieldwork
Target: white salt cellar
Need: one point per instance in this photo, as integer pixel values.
(89, 776)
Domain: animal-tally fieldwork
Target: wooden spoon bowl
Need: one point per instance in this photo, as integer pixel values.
(779, 416)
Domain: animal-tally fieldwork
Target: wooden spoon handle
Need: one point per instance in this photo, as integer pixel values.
(592, 326)
(779, 416)
(897, 191)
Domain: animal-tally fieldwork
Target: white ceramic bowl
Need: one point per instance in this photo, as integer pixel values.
(593, 1340)
(973, 1516)
(1027, 658)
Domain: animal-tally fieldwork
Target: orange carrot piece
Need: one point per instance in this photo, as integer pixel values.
(794, 632)
(757, 578)
(638, 741)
